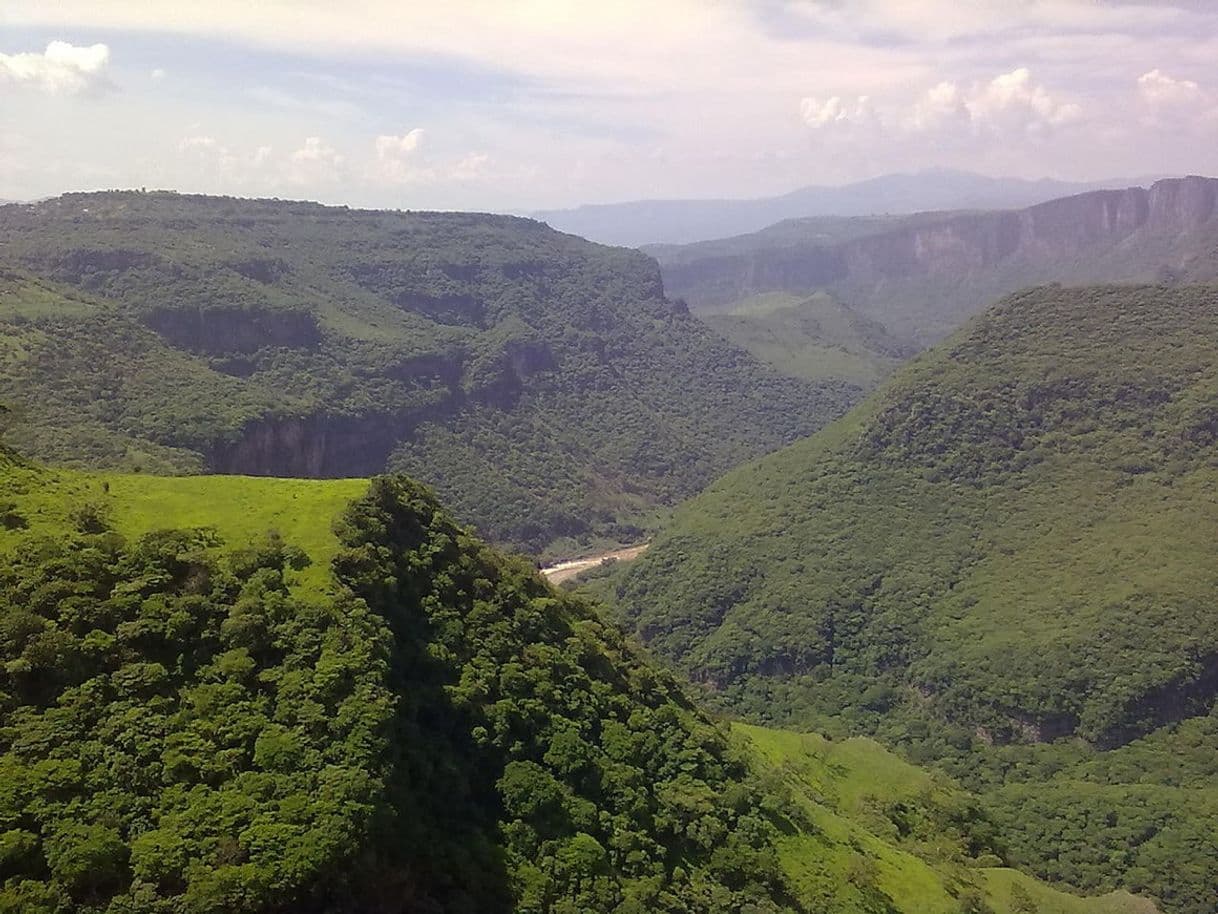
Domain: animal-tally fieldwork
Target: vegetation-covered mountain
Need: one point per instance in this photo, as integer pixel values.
(685, 221)
(251, 713)
(921, 276)
(1010, 544)
(543, 384)
(814, 337)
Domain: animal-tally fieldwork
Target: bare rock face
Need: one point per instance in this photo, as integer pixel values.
(1042, 233)
(233, 330)
(1184, 203)
(952, 266)
(310, 446)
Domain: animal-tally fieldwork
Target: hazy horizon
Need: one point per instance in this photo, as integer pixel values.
(542, 105)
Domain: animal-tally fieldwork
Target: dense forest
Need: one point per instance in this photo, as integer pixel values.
(184, 732)
(329, 695)
(1001, 563)
(391, 716)
(452, 461)
(526, 374)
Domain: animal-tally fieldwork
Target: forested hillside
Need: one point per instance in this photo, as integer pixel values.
(814, 337)
(190, 726)
(923, 275)
(1002, 562)
(543, 384)
(390, 717)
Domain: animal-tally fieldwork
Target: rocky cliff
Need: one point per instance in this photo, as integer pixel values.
(926, 275)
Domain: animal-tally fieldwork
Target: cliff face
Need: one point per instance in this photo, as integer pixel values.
(233, 330)
(310, 446)
(1133, 234)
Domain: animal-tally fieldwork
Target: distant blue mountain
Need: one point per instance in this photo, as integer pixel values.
(684, 221)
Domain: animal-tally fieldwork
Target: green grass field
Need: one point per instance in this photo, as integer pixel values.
(239, 508)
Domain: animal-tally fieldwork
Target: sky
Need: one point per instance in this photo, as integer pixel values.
(518, 106)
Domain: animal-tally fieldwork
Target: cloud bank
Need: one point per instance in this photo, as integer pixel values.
(62, 69)
(542, 103)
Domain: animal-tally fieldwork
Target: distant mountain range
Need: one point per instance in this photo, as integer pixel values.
(684, 221)
(922, 275)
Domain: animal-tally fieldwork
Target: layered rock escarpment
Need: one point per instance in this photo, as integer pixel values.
(928, 273)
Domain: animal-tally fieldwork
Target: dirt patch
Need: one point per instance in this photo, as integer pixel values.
(564, 571)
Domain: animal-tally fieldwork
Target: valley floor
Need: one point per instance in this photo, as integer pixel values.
(565, 571)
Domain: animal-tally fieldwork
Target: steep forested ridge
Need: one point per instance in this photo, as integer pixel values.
(1011, 543)
(396, 718)
(185, 730)
(543, 384)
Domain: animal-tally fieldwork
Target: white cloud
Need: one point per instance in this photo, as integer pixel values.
(208, 154)
(470, 167)
(398, 160)
(157, 74)
(1009, 105)
(392, 147)
(941, 105)
(835, 111)
(316, 162)
(568, 103)
(1181, 104)
(187, 144)
(1157, 88)
(62, 69)
(314, 150)
(1012, 102)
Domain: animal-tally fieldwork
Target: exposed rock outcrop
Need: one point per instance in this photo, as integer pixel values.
(311, 446)
(233, 330)
(1137, 234)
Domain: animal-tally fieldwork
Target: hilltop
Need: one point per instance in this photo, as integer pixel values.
(1001, 562)
(922, 275)
(544, 385)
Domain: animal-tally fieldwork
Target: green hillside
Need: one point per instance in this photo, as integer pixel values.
(1011, 543)
(544, 385)
(814, 337)
(888, 836)
(191, 725)
(260, 710)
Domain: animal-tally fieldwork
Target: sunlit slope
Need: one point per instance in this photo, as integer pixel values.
(241, 509)
(888, 836)
(812, 337)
